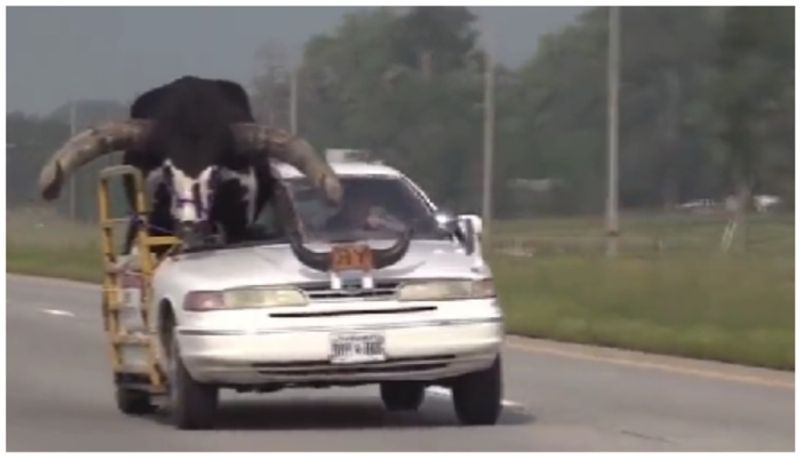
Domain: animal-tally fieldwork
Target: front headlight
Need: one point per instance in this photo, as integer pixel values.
(266, 297)
(447, 290)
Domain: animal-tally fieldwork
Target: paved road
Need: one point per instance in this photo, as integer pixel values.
(558, 397)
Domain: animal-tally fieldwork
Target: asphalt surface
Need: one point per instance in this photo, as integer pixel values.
(558, 397)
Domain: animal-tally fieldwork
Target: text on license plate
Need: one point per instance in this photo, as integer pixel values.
(351, 257)
(357, 348)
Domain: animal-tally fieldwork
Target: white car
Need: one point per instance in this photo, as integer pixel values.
(251, 317)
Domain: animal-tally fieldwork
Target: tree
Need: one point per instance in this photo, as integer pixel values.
(270, 98)
(30, 141)
(406, 87)
(753, 91)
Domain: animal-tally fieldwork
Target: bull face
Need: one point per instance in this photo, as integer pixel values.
(193, 197)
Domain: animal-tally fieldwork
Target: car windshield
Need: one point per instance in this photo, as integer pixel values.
(373, 207)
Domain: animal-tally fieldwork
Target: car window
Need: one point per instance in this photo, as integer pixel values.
(373, 207)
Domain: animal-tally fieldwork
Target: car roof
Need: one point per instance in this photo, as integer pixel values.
(342, 169)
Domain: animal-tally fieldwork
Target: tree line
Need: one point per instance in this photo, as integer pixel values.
(706, 105)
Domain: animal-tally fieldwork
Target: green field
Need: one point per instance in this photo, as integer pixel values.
(670, 291)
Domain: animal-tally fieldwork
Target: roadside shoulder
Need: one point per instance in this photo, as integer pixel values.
(648, 361)
(51, 281)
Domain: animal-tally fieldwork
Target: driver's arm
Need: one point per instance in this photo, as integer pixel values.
(379, 218)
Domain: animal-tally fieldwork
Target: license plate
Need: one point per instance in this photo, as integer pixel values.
(131, 288)
(351, 257)
(132, 297)
(357, 348)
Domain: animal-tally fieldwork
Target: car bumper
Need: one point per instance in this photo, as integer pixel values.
(427, 348)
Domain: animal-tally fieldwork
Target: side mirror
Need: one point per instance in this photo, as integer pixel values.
(446, 220)
(474, 220)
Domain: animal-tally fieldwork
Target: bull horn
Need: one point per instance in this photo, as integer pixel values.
(391, 255)
(317, 260)
(293, 150)
(381, 258)
(87, 146)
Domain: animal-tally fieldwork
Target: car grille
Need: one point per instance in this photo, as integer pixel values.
(417, 364)
(322, 292)
(355, 312)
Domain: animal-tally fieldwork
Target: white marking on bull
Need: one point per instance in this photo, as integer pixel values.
(183, 205)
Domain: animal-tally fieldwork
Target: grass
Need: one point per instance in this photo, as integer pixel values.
(731, 309)
(81, 263)
(671, 291)
(41, 243)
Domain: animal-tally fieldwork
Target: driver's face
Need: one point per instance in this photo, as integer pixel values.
(356, 210)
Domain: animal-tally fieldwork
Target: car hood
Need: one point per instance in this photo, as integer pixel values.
(276, 264)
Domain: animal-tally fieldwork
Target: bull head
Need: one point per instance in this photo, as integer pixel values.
(255, 141)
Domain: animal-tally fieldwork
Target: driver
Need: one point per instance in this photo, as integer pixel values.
(359, 212)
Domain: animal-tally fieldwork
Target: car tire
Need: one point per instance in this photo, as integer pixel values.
(133, 402)
(193, 404)
(402, 395)
(478, 396)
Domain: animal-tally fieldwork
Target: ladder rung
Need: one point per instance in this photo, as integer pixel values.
(113, 268)
(125, 307)
(161, 240)
(132, 340)
(113, 222)
(133, 369)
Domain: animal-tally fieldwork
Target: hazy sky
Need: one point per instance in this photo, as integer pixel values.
(55, 54)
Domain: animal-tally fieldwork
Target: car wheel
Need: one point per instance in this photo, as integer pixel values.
(134, 402)
(478, 396)
(402, 395)
(193, 404)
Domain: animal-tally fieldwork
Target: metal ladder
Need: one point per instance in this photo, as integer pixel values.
(151, 376)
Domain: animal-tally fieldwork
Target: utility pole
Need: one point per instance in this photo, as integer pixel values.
(488, 140)
(73, 176)
(612, 197)
(293, 100)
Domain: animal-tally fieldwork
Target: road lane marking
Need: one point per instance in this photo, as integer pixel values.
(711, 374)
(58, 312)
(438, 391)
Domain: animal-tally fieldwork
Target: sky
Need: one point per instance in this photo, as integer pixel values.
(55, 54)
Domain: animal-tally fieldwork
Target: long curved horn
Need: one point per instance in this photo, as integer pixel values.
(317, 260)
(87, 146)
(293, 150)
(391, 255)
(381, 258)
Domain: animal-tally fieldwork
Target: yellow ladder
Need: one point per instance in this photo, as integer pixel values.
(151, 378)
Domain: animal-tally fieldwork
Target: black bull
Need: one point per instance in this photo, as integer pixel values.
(196, 142)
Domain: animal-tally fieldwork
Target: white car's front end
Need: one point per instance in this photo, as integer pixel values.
(432, 316)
